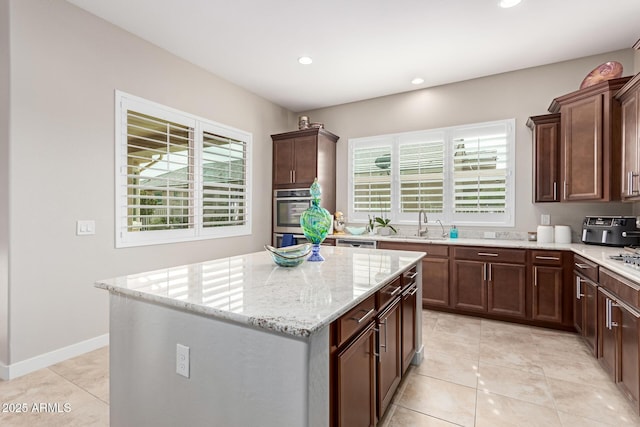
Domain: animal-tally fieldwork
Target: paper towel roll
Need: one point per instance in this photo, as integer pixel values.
(545, 234)
(562, 234)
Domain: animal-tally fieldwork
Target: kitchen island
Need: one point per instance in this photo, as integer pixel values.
(258, 337)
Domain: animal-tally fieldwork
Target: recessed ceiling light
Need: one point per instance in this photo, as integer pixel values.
(417, 81)
(509, 3)
(305, 60)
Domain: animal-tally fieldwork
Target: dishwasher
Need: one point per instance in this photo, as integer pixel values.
(355, 243)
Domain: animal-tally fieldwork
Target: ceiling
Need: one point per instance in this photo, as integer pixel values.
(369, 48)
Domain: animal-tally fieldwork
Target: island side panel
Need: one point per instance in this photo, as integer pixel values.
(238, 375)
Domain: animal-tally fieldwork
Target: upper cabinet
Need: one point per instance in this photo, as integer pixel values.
(546, 157)
(301, 156)
(629, 97)
(590, 142)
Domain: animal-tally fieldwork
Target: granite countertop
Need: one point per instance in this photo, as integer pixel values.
(250, 289)
(595, 253)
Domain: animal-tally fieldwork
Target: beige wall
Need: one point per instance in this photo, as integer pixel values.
(518, 94)
(4, 181)
(65, 66)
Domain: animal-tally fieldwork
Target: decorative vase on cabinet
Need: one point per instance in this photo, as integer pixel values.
(315, 222)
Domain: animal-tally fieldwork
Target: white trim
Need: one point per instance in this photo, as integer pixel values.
(45, 360)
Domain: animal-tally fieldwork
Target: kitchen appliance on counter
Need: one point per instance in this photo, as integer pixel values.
(610, 231)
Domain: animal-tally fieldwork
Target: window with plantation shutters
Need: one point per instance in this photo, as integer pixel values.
(179, 177)
(461, 175)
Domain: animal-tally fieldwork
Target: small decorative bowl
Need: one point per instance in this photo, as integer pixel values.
(289, 256)
(356, 230)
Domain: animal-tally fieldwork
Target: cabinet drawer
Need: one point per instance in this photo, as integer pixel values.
(356, 319)
(546, 257)
(627, 291)
(585, 267)
(409, 277)
(491, 254)
(389, 292)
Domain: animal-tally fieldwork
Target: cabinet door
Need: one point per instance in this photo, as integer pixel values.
(578, 303)
(630, 142)
(435, 282)
(469, 290)
(409, 301)
(389, 351)
(305, 161)
(506, 290)
(547, 293)
(629, 373)
(591, 314)
(547, 159)
(356, 373)
(607, 340)
(582, 138)
(283, 151)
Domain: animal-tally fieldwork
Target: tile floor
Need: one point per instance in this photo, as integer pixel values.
(476, 372)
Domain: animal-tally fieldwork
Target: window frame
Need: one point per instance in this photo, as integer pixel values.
(448, 216)
(124, 238)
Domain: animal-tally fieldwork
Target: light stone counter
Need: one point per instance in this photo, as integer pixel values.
(595, 253)
(257, 334)
(251, 289)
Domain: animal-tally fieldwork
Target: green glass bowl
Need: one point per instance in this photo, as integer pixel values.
(355, 230)
(289, 256)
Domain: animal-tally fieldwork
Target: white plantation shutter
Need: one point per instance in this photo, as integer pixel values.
(461, 175)
(422, 176)
(480, 168)
(179, 177)
(224, 183)
(159, 178)
(372, 179)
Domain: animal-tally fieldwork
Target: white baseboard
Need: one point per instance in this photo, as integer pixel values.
(24, 367)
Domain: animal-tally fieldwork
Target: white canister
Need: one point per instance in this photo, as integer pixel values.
(545, 234)
(562, 234)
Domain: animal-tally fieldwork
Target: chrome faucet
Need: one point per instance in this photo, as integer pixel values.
(422, 214)
(444, 233)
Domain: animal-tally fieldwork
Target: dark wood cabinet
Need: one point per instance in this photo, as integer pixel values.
(435, 283)
(489, 280)
(389, 371)
(551, 290)
(301, 156)
(585, 279)
(409, 307)
(590, 142)
(546, 157)
(629, 97)
(619, 333)
(355, 382)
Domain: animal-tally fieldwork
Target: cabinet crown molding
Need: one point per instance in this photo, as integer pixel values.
(606, 86)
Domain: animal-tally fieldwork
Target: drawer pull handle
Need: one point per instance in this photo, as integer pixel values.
(367, 314)
(396, 291)
(413, 276)
(582, 266)
(486, 254)
(413, 292)
(552, 258)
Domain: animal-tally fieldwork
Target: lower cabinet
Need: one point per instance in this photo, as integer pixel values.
(389, 325)
(371, 347)
(619, 334)
(490, 281)
(585, 301)
(355, 381)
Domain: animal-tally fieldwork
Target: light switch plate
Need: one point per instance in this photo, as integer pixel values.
(545, 219)
(85, 227)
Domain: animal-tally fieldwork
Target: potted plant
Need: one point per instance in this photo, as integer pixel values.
(384, 225)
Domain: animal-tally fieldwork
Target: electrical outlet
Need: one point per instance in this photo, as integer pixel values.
(489, 234)
(182, 360)
(545, 219)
